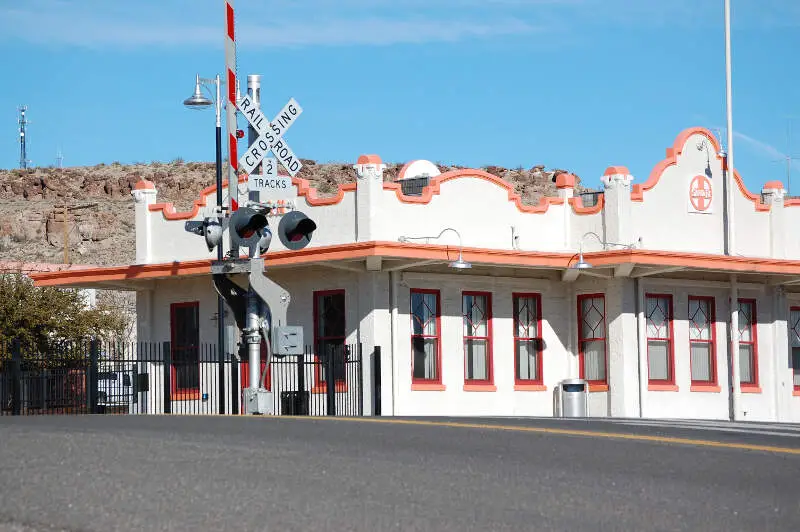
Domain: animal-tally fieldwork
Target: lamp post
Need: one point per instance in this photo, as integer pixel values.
(459, 263)
(199, 101)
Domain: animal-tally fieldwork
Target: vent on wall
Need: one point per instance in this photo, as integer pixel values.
(416, 175)
(589, 199)
(413, 186)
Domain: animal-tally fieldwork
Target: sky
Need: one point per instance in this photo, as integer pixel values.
(573, 84)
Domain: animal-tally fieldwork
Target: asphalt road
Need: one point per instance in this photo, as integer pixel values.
(234, 473)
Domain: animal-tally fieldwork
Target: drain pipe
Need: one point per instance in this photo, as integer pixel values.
(734, 389)
(641, 368)
(393, 334)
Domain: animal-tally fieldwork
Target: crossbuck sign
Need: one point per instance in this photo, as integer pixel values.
(269, 138)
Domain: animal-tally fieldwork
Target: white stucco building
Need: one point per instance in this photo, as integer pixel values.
(649, 324)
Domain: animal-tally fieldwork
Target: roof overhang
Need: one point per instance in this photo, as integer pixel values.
(396, 256)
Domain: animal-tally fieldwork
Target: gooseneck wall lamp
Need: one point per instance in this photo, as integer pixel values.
(582, 263)
(459, 263)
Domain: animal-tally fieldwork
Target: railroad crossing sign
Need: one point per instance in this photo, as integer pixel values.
(270, 136)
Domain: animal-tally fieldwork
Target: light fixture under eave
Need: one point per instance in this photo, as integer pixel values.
(460, 263)
(197, 100)
(581, 264)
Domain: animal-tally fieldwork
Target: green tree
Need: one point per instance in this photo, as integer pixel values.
(43, 318)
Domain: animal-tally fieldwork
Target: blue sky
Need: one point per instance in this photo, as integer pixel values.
(574, 84)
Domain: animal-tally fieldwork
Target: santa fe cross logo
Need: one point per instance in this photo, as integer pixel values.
(700, 193)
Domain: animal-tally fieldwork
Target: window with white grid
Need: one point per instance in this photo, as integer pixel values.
(425, 361)
(527, 339)
(701, 340)
(592, 337)
(659, 338)
(748, 343)
(794, 336)
(476, 314)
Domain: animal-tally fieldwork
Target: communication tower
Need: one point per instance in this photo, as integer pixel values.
(23, 138)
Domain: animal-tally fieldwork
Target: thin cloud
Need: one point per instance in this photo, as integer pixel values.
(763, 148)
(64, 24)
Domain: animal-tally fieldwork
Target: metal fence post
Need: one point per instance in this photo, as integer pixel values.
(16, 377)
(221, 377)
(234, 393)
(94, 357)
(360, 371)
(303, 403)
(376, 381)
(167, 384)
(330, 382)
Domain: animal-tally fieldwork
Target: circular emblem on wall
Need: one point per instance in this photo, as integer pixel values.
(700, 193)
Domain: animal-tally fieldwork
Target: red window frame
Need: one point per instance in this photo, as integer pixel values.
(670, 381)
(712, 323)
(489, 381)
(437, 337)
(320, 385)
(599, 385)
(183, 394)
(537, 337)
(791, 327)
(753, 324)
(245, 370)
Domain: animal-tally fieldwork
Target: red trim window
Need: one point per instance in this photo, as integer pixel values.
(592, 338)
(660, 344)
(527, 338)
(185, 350)
(794, 337)
(748, 344)
(329, 338)
(245, 370)
(426, 356)
(702, 340)
(476, 311)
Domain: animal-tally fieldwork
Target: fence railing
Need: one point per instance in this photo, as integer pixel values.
(156, 378)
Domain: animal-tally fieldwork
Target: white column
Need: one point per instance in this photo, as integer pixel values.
(374, 330)
(617, 205)
(144, 194)
(623, 384)
(369, 195)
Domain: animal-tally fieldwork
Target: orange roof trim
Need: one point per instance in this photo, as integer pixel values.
(637, 190)
(565, 181)
(433, 189)
(397, 250)
(369, 159)
(144, 184)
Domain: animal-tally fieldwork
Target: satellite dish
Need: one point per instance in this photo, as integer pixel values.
(418, 168)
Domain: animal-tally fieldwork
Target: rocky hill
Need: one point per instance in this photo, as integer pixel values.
(100, 222)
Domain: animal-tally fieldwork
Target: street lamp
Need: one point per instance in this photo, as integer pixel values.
(582, 264)
(459, 263)
(199, 101)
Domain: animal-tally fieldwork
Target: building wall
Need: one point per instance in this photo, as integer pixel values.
(655, 214)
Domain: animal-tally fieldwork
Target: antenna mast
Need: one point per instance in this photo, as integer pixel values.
(23, 139)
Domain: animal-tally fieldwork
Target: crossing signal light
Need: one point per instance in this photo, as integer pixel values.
(239, 133)
(209, 228)
(295, 230)
(249, 229)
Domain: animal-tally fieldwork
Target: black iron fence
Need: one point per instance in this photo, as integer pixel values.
(153, 378)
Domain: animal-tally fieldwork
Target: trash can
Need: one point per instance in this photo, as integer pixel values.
(294, 403)
(573, 398)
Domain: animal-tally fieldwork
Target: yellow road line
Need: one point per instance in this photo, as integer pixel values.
(547, 430)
